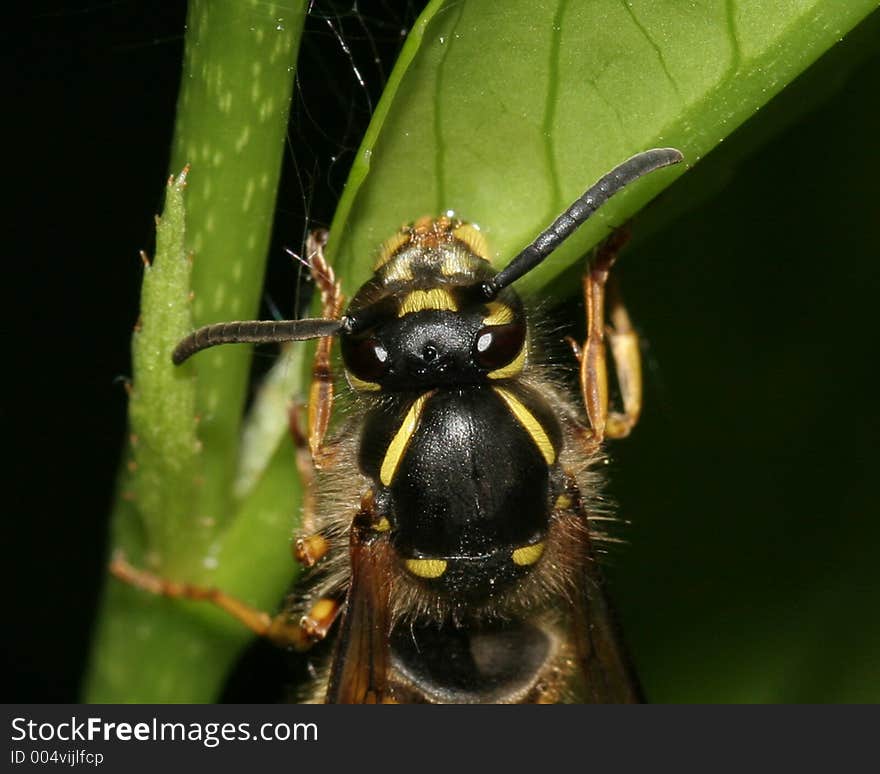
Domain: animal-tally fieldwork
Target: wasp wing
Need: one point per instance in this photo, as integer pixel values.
(606, 668)
(358, 672)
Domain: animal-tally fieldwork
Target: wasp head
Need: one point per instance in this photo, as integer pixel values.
(441, 336)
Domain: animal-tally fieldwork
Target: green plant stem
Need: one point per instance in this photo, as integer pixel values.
(177, 514)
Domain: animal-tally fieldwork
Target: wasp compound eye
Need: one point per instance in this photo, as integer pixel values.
(498, 345)
(365, 357)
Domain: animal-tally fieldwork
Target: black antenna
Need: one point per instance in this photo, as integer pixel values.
(579, 212)
(255, 332)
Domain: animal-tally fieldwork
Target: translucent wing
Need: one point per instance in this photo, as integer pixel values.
(606, 670)
(358, 673)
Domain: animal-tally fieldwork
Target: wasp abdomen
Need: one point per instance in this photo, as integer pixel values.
(497, 663)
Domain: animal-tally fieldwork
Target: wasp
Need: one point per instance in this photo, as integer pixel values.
(448, 522)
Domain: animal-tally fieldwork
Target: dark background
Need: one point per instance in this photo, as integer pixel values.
(752, 566)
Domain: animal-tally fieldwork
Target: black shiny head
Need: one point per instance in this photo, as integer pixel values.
(439, 336)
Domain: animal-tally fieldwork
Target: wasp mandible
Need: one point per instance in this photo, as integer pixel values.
(455, 557)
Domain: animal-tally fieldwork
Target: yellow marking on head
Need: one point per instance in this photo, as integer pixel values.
(526, 555)
(530, 424)
(383, 525)
(563, 502)
(401, 440)
(420, 300)
(398, 269)
(426, 568)
(512, 368)
(499, 314)
(390, 247)
(474, 239)
(360, 384)
(455, 261)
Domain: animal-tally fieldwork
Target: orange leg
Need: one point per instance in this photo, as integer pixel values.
(305, 466)
(311, 547)
(321, 388)
(627, 357)
(309, 550)
(280, 629)
(312, 453)
(624, 349)
(317, 622)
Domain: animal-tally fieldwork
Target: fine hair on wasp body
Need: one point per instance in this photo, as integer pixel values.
(448, 517)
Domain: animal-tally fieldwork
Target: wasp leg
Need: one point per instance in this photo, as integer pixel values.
(312, 546)
(311, 549)
(321, 388)
(279, 629)
(317, 622)
(624, 343)
(624, 349)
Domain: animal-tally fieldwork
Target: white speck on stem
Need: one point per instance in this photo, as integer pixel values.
(219, 296)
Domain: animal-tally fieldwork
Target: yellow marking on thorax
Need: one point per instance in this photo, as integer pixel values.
(512, 368)
(361, 384)
(499, 314)
(526, 555)
(401, 439)
(420, 300)
(383, 525)
(563, 502)
(530, 424)
(426, 568)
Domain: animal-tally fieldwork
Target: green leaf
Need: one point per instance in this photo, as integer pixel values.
(506, 112)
